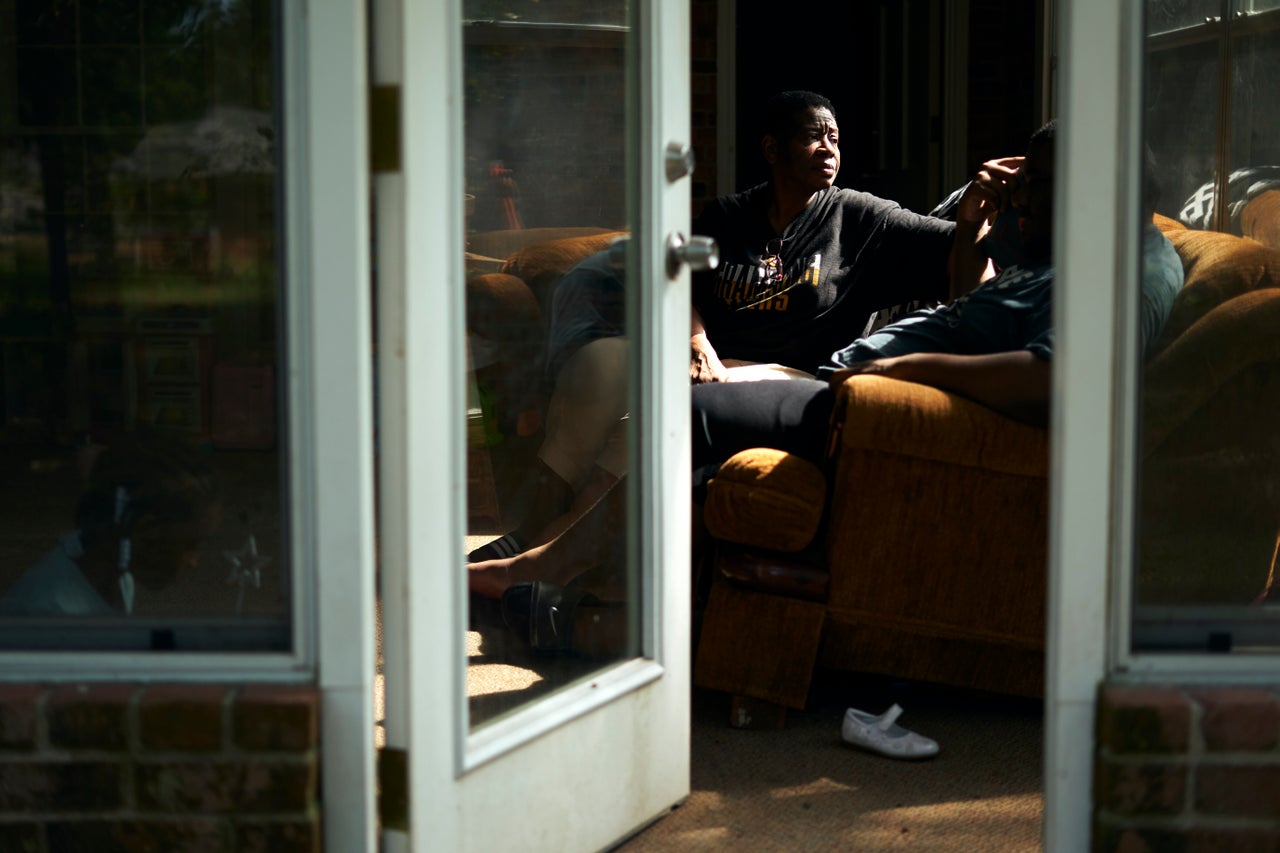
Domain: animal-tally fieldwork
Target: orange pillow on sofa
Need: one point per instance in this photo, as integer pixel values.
(766, 498)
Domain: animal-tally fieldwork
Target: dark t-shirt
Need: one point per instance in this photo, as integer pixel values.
(846, 256)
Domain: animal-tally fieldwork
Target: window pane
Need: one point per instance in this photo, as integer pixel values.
(1166, 15)
(139, 347)
(1209, 505)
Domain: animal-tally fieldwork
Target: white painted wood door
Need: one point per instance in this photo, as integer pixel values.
(584, 765)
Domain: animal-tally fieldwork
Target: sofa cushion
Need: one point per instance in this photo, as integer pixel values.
(1210, 453)
(541, 265)
(766, 498)
(501, 308)
(504, 244)
(1260, 219)
(1218, 267)
(1233, 338)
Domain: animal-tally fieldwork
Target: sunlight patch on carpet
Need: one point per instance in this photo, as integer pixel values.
(811, 789)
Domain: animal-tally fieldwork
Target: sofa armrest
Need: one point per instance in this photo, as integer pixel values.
(938, 516)
(892, 416)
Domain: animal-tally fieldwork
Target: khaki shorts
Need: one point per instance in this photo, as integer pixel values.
(587, 414)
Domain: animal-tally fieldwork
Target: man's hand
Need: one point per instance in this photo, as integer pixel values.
(990, 191)
(705, 365)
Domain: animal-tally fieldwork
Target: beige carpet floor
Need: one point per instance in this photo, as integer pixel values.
(803, 789)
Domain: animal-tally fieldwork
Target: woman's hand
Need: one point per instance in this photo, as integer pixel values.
(704, 365)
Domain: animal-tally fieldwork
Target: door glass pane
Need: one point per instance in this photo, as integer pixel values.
(548, 379)
(140, 437)
(1209, 499)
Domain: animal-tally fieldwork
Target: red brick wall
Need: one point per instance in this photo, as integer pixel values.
(109, 767)
(1187, 769)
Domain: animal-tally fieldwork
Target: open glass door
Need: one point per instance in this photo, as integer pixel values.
(533, 389)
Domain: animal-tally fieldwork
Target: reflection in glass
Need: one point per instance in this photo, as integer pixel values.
(1182, 108)
(1209, 482)
(1254, 208)
(548, 352)
(1166, 15)
(138, 340)
(1252, 6)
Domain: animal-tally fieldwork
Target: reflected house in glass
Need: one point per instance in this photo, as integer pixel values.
(226, 159)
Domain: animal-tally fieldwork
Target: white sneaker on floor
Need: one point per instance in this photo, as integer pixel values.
(882, 734)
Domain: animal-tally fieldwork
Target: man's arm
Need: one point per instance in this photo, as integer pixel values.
(1016, 383)
(985, 196)
(704, 365)
(968, 266)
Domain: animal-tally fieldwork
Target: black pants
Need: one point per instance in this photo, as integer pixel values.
(786, 414)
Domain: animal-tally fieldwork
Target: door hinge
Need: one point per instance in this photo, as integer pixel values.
(393, 788)
(384, 129)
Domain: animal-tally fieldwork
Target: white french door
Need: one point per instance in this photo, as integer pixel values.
(575, 104)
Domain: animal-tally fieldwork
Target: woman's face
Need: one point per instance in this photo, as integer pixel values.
(810, 159)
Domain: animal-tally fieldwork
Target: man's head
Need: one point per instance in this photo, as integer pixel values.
(1033, 198)
(800, 140)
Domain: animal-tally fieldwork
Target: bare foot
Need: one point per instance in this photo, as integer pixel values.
(489, 579)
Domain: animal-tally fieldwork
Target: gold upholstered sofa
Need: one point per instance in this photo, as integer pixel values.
(919, 551)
